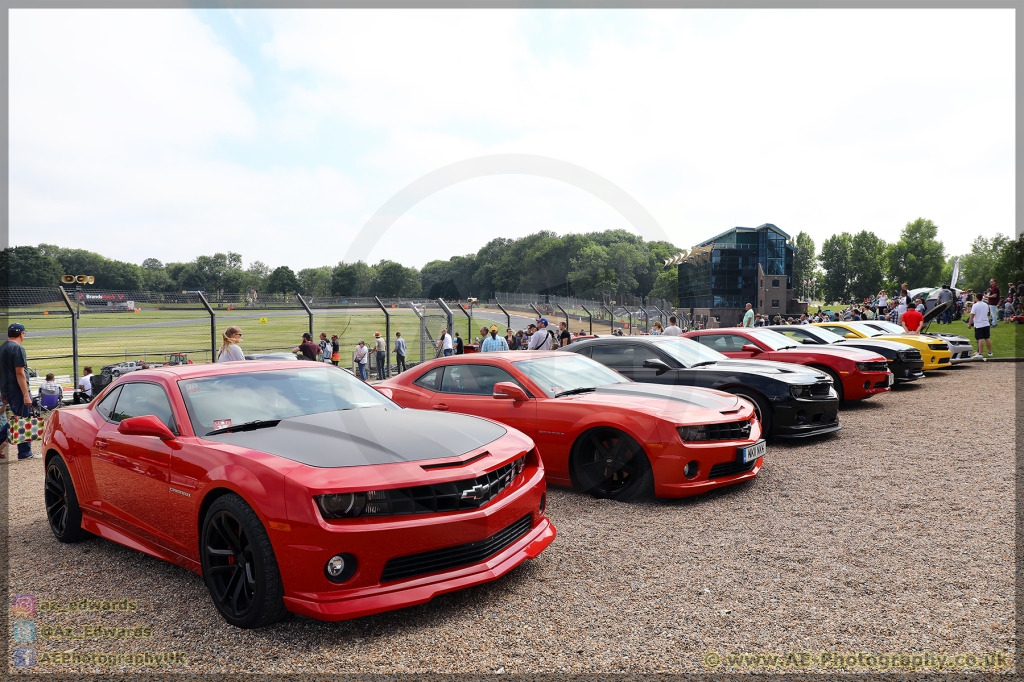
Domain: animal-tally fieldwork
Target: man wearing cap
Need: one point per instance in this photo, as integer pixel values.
(493, 342)
(325, 348)
(14, 379)
(542, 339)
(308, 349)
(361, 356)
(382, 354)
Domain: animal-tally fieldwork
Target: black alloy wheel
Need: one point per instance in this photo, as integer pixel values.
(609, 464)
(239, 566)
(62, 510)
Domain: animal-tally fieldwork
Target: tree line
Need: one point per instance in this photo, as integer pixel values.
(589, 265)
(858, 266)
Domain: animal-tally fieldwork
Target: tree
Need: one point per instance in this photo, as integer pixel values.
(835, 260)
(282, 281)
(155, 277)
(352, 279)
(29, 266)
(867, 260)
(666, 286)
(394, 279)
(917, 258)
(803, 260)
(981, 264)
(316, 281)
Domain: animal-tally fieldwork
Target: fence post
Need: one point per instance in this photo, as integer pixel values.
(539, 313)
(448, 313)
(423, 331)
(308, 312)
(213, 326)
(564, 313)
(74, 335)
(469, 328)
(590, 317)
(508, 318)
(387, 338)
(647, 319)
(611, 315)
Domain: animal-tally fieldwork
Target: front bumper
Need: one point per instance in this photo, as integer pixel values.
(798, 417)
(717, 465)
(908, 370)
(962, 354)
(375, 541)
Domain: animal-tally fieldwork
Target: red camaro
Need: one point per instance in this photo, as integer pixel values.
(596, 430)
(294, 486)
(856, 373)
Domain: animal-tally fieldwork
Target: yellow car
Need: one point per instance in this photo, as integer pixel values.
(934, 350)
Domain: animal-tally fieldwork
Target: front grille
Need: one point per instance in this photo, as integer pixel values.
(938, 346)
(829, 417)
(913, 354)
(454, 557)
(442, 497)
(882, 384)
(881, 366)
(943, 361)
(730, 468)
(820, 390)
(729, 431)
(965, 354)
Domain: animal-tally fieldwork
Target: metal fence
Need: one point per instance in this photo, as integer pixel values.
(632, 313)
(68, 330)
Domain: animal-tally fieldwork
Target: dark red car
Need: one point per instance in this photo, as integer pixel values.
(596, 430)
(294, 486)
(856, 373)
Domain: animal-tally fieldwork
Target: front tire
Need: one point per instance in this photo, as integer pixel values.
(837, 383)
(762, 410)
(62, 510)
(609, 464)
(239, 566)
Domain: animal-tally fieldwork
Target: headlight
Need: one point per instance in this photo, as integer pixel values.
(692, 433)
(343, 505)
(873, 366)
(901, 355)
(800, 391)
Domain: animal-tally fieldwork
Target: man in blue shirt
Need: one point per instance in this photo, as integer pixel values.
(14, 379)
(493, 342)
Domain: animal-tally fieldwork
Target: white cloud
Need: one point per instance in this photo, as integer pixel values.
(822, 121)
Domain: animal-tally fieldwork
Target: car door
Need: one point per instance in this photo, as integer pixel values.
(469, 389)
(728, 344)
(132, 473)
(628, 360)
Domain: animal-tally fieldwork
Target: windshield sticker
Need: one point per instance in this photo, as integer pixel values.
(221, 424)
(556, 389)
(192, 389)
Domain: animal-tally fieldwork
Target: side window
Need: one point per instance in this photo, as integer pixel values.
(139, 399)
(473, 379)
(642, 353)
(431, 380)
(584, 352)
(723, 343)
(838, 330)
(107, 405)
(616, 356)
(797, 334)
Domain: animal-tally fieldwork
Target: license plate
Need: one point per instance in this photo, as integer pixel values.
(752, 452)
(892, 379)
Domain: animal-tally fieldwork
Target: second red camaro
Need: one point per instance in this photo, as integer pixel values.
(596, 430)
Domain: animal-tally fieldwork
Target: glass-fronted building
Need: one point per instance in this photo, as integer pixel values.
(722, 272)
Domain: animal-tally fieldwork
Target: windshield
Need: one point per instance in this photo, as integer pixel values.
(824, 334)
(887, 327)
(687, 351)
(227, 400)
(773, 340)
(870, 330)
(557, 375)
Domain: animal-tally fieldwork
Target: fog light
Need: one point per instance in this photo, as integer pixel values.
(933, 358)
(340, 568)
(543, 502)
(801, 416)
(690, 470)
(867, 385)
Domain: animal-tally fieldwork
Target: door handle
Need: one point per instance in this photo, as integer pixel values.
(100, 444)
(440, 406)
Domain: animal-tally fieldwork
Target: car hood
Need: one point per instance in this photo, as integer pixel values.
(368, 436)
(855, 354)
(949, 336)
(696, 403)
(877, 343)
(783, 371)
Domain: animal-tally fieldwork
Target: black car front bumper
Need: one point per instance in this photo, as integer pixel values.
(906, 370)
(799, 418)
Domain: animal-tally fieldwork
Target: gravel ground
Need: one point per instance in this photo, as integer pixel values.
(895, 535)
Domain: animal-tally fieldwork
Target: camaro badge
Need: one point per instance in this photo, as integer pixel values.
(180, 492)
(477, 492)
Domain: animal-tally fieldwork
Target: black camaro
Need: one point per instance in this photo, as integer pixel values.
(790, 400)
(905, 361)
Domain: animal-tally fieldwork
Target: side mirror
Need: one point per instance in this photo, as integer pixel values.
(658, 365)
(386, 392)
(147, 425)
(810, 341)
(851, 335)
(506, 390)
(750, 348)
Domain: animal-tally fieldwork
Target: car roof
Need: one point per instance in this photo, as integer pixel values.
(207, 369)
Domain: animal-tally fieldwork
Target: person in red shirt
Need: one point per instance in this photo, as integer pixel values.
(912, 320)
(994, 296)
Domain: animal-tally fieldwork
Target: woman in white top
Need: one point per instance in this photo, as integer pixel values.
(230, 351)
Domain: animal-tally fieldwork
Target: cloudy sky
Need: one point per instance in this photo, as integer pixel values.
(278, 134)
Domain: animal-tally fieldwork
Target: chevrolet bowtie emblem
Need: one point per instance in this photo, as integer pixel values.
(477, 492)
